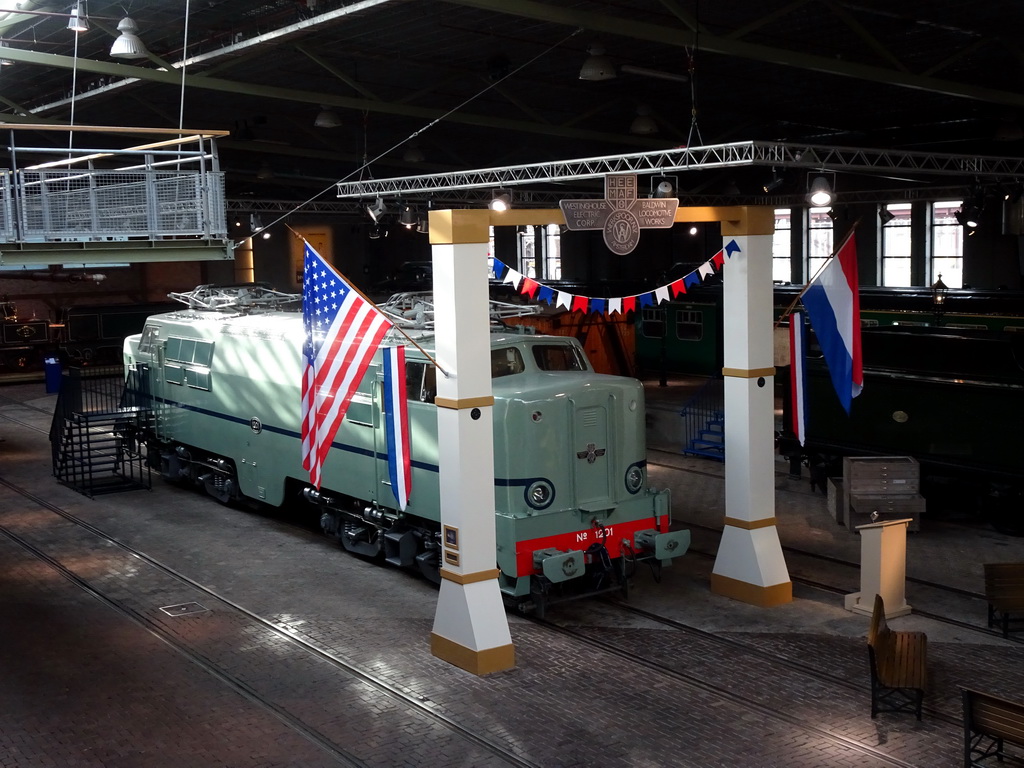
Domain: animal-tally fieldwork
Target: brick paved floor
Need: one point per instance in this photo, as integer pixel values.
(86, 685)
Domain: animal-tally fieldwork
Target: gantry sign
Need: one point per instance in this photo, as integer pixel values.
(621, 214)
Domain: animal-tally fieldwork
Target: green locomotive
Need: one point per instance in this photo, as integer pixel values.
(574, 511)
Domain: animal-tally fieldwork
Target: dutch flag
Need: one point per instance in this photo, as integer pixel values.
(833, 306)
(396, 424)
(798, 374)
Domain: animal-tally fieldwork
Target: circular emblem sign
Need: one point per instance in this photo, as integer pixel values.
(255, 425)
(621, 232)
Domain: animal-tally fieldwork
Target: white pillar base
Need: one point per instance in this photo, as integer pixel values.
(470, 627)
(750, 566)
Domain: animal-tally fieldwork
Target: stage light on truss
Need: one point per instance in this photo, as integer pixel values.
(501, 201)
(821, 194)
(377, 209)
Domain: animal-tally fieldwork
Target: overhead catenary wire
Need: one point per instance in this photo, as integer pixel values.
(367, 163)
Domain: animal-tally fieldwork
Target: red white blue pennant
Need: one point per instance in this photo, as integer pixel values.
(527, 286)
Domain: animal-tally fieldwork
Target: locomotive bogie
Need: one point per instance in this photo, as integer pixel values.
(569, 450)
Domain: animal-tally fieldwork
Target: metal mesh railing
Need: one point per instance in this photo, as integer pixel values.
(6, 212)
(57, 205)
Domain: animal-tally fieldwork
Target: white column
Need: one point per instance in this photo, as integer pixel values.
(470, 626)
(750, 566)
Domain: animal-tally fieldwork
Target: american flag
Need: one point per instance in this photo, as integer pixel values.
(343, 330)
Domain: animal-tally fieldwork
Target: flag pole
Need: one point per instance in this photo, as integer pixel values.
(789, 310)
(374, 305)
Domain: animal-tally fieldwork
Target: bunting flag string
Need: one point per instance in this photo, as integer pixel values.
(620, 305)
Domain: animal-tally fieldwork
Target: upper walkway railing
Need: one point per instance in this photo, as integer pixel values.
(165, 190)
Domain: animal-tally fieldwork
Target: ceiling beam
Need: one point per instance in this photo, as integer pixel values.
(708, 43)
(199, 82)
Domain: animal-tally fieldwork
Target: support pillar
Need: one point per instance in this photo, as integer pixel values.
(750, 566)
(470, 626)
(244, 272)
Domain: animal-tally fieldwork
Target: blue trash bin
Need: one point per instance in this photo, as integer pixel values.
(52, 368)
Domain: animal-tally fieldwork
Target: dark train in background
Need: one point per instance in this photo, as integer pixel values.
(946, 387)
(91, 334)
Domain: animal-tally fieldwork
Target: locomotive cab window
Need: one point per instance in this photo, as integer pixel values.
(558, 357)
(506, 362)
(420, 382)
(150, 336)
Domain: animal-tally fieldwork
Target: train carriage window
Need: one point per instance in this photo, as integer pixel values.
(506, 362)
(558, 357)
(420, 382)
(652, 323)
(689, 325)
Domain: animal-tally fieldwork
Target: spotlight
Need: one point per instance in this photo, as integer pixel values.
(663, 186)
(885, 215)
(821, 193)
(377, 209)
(968, 216)
(501, 201)
(775, 183)
(407, 218)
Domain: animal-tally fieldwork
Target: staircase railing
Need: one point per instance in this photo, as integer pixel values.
(703, 421)
(93, 434)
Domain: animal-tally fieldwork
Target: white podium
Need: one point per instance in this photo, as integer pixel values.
(883, 568)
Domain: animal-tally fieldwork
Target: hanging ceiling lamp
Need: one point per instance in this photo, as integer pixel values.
(79, 21)
(643, 124)
(327, 118)
(128, 45)
(597, 66)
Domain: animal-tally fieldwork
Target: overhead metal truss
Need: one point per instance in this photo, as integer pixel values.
(743, 153)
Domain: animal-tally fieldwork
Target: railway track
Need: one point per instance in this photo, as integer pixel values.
(741, 699)
(92, 540)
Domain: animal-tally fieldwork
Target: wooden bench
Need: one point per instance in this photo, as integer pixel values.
(899, 662)
(1004, 590)
(990, 722)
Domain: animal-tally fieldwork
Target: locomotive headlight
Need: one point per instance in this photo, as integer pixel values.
(634, 478)
(540, 494)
